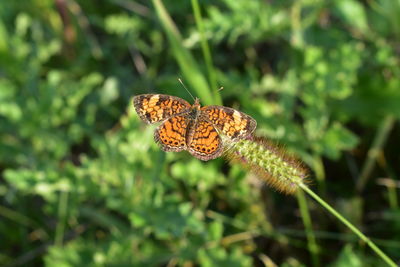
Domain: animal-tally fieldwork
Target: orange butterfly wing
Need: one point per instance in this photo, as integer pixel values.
(230, 122)
(156, 107)
(204, 142)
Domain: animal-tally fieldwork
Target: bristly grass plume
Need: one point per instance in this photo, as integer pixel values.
(270, 163)
(286, 174)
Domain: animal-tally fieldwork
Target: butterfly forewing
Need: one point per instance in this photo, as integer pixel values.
(156, 107)
(230, 122)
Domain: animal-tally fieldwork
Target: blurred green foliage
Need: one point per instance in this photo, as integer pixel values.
(83, 184)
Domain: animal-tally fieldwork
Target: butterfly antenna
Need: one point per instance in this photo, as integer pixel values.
(186, 89)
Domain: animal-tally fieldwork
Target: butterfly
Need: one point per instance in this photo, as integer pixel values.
(199, 130)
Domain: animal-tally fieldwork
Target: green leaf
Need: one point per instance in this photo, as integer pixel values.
(223, 258)
(348, 257)
(338, 138)
(353, 12)
(215, 231)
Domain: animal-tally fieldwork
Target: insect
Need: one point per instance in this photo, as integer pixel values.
(192, 127)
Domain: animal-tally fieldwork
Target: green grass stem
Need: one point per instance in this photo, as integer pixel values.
(319, 170)
(377, 145)
(62, 213)
(354, 229)
(392, 196)
(16, 217)
(305, 215)
(212, 77)
(185, 60)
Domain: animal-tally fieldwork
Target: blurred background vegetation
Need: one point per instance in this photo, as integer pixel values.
(82, 182)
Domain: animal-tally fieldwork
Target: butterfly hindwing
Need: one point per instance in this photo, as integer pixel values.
(204, 142)
(171, 134)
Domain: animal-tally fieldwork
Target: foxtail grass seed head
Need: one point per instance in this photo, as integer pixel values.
(270, 163)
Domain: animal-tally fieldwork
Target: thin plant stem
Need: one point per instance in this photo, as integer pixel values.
(297, 35)
(319, 173)
(17, 217)
(354, 229)
(378, 143)
(389, 183)
(305, 215)
(83, 21)
(392, 195)
(62, 212)
(187, 63)
(206, 52)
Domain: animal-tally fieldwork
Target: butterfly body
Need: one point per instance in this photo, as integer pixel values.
(192, 127)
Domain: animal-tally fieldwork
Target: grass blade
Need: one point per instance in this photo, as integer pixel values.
(187, 64)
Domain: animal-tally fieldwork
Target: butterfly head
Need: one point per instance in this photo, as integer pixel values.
(196, 103)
